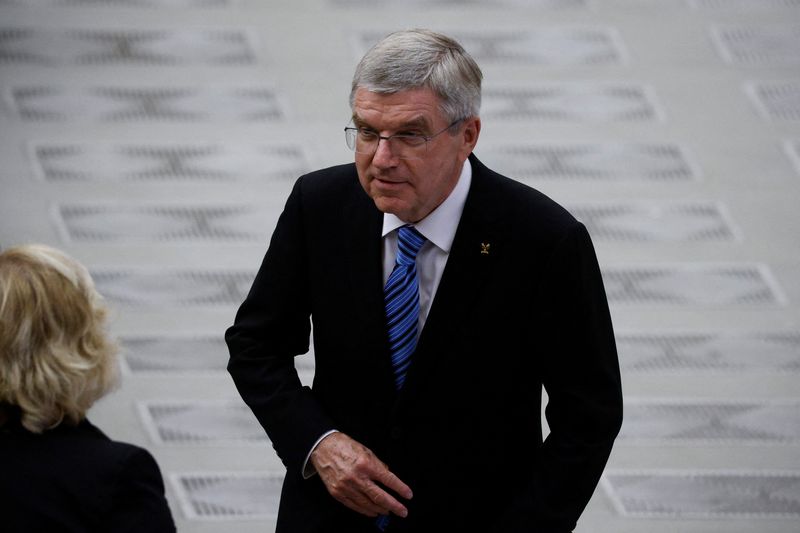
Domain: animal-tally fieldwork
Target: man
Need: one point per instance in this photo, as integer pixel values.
(443, 297)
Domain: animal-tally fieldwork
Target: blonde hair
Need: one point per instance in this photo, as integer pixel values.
(56, 358)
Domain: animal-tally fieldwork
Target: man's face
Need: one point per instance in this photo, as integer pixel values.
(410, 188)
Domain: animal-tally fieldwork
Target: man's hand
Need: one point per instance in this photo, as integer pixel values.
(351, 473)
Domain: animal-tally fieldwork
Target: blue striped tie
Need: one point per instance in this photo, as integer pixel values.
(401, 296)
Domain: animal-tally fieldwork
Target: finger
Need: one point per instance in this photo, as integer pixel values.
(386, 501)
(356, 496)
(353, 506)
(372, 497)
(362, 505)
(391, 481)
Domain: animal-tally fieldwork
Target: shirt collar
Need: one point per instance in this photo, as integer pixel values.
(440, 225)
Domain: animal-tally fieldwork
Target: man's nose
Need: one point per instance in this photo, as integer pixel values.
(384, 157)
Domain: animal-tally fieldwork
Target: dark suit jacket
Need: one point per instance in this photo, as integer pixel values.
(465, 431)
(75, 479)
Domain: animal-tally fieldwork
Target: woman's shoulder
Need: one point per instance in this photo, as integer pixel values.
(82, 446)
(80, 463)
(114, 451)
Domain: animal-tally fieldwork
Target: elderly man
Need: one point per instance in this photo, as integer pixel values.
(443, 298)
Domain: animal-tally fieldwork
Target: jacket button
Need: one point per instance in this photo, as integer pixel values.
(396, 432)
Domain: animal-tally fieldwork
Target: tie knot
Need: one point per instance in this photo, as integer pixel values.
(409, 241)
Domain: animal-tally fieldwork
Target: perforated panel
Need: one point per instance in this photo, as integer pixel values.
(759, 45)
(131, 104)
(39, 46)
(576, 102)
(163, 223)
(164, 288)
(173, 162)
(545, 46)
(776, 100)
(175, 354)
(202, 423)
(228, 495)
(687, 421)
(651, 222)
(607, 161)
(426, 4)
(692, 285)
(748, 5)
(702, 494)
(123, 3)
(711, 352)
(793, 151)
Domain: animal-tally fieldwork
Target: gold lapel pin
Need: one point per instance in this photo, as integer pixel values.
(485, 248)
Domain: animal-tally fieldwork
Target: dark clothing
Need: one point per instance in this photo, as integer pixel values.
(465, 431)
(75, 479)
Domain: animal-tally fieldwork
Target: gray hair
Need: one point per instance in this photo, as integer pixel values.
(413, 59)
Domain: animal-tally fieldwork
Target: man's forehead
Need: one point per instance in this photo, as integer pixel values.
(413, 107)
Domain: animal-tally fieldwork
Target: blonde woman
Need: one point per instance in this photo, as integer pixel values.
(58, 472)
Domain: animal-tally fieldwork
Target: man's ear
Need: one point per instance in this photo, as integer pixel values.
(470, 134)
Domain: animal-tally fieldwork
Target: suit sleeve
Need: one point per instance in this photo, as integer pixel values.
(271, 327)
(582, 380)
(138, 502)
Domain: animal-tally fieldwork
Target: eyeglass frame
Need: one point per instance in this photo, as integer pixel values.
(378, 138)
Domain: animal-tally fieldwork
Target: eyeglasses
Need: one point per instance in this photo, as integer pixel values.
(404, 145)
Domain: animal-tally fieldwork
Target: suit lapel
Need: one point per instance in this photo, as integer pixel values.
(476, 248)
(365, 268)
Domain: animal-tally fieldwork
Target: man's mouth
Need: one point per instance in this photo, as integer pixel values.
(389, 183)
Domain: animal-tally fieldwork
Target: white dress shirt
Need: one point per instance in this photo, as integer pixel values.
(439, 227)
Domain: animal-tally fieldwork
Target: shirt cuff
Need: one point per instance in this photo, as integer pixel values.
(308, 468)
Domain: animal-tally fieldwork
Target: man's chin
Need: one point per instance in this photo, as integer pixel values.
(392, 206)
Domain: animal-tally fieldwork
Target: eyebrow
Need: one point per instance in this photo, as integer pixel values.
(416, 122)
